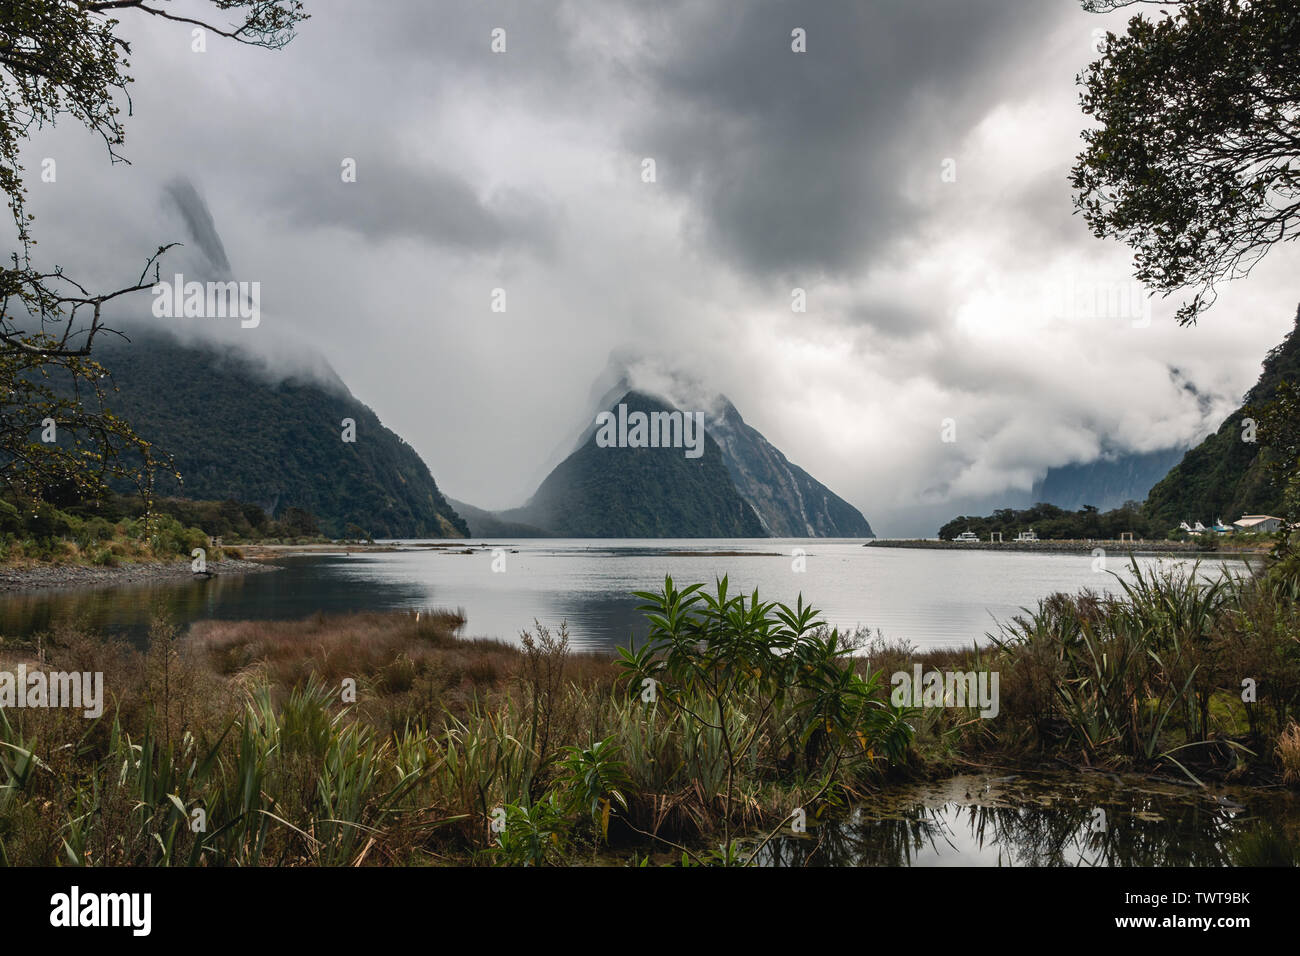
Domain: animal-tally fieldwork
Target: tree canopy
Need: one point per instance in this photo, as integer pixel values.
(1051, 523)
(1194, 163)
(62, 59)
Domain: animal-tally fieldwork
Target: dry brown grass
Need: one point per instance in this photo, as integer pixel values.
(333, 647)
(1288, 753)
(163, 685)
(406, 665)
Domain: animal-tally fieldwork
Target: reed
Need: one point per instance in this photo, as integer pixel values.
(234, 745)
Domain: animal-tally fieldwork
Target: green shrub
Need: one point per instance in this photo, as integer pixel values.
(10, 520)
(762, 689)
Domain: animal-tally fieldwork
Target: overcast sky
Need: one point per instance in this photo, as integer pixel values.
(909, 172)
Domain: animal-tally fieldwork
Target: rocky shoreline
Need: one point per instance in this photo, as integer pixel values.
(44, 577)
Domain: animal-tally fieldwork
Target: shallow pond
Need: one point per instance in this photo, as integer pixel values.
(1089, 819)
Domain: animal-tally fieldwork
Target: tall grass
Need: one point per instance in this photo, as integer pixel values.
(236, 744)
(1136, 677)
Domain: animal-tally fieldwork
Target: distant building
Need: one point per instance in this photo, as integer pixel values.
(1265, 523)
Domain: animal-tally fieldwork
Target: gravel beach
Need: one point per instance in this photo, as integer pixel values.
(75, 576)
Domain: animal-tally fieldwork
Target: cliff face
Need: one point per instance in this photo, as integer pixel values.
(1106, 483)
(788, 500)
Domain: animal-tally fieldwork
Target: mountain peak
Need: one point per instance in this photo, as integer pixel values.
(616, 482)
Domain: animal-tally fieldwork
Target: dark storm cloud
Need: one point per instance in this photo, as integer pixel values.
(799, 161)
(450, 40)
(391, 199)
(890, 324)
(819, 170)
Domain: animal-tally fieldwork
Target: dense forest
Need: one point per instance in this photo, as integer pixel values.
(231, 520)
(236, 433)
(1051, 523)
(1226, 475)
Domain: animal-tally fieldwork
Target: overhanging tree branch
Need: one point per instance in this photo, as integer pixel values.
(1195, 162)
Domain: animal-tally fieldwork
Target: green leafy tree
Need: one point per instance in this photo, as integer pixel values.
(1279, 431)
(1194, 161)
(1051, 523)
(63, 59)
(298, 523)
(750, 676)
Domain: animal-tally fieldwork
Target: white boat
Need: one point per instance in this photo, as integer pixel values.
(1027, 535)
(967, 536)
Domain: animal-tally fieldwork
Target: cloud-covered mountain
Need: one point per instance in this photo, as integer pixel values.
(1106, 482)
(235, 430)
(1226, 476)
(638, 491)
(928, 297)
(739, 484)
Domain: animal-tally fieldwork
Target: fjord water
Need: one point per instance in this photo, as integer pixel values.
(929, 597)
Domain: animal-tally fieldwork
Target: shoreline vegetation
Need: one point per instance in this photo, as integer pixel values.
(1225, 549)
(74, 568)
(122, 530)
(388, 738)
(122, 540)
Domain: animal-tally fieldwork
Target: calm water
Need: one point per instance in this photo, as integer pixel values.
(927, 597)
(1054, 820)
